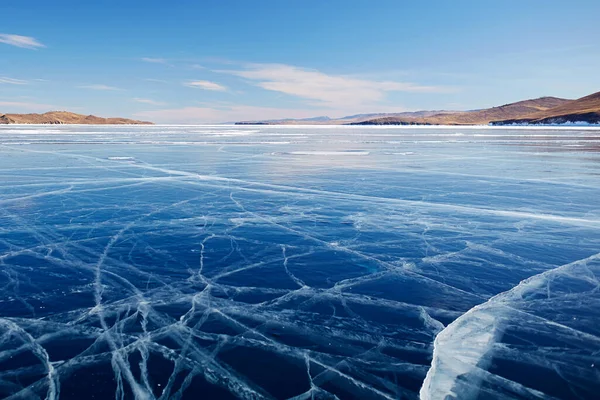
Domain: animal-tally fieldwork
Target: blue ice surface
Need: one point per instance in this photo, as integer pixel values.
(273, 262)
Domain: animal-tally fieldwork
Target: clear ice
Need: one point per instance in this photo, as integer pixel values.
(175, 262)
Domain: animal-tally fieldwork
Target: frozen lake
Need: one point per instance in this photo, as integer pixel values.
(273, 262)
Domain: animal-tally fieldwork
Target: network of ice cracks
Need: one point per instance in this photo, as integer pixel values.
(235, 263)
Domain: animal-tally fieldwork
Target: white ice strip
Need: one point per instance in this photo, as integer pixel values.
(464, 348)
(121, 158)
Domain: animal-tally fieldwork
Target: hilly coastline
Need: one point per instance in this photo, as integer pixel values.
(583, 110)
(351, 119)
(476, 117)
(543, 110)
(65, 117)
(540, 111)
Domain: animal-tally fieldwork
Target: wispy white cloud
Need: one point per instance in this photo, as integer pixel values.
(232, 113)
(154, 60)
(99, 87)
(12, 81)
(26, 42)
(323, 89)
(149, 101)
(206, 85)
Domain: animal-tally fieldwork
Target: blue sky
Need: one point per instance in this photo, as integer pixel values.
(215, 61)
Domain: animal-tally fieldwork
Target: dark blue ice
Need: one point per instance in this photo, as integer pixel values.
(172, 262)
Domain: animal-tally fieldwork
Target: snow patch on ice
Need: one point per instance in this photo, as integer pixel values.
(329, 153)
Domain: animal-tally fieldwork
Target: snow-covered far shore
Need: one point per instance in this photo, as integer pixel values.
(558, 124)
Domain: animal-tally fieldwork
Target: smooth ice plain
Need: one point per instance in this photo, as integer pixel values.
(217, 262)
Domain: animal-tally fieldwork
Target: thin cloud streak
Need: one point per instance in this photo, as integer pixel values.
(26, 42)
(153, 60)
(206, 85)
(12, 81)
(99, 87)
(149, 101)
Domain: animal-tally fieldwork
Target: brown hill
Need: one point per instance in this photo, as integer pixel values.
(585, 109)
(477, 117)
(65, 117)
(344, 120)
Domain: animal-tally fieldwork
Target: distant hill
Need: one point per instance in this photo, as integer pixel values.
(344, 120)
(516, 110)
(287, 121)
(544, 110)
(64, 117)
(534, 110)
(585, 109)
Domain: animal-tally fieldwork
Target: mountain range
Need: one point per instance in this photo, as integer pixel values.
(544, 110)
(350, 119)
